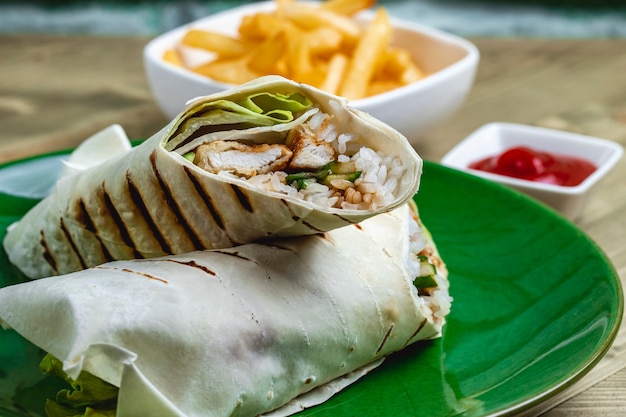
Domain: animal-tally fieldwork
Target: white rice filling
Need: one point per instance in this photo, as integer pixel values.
(437, 303)
(376, 187)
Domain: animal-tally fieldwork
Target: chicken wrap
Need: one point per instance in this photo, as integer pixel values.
(264, 328)
(268, 158)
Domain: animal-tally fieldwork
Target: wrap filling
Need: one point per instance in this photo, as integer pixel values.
(286, 144)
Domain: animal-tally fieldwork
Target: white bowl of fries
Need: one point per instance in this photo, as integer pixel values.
(408, 75)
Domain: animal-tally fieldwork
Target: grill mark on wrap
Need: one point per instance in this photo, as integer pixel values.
(419, 329)
(130, 271)
(135, 195)
(235, 255)
(384, 339)
(119, 222)
(208, 203)
(244, 258)
(173, 205)
(240, 256)
(68, 236)
(299, 219)
(47, 255)
(282, 248)
(293, 215)
(310, 226)
(194, 264)
(344, 219)
(243, 198)
(84, 218)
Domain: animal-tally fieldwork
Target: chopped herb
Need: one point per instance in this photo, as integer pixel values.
(350, 176)
(336, 167)
(426, 278)
(423, 282)
(302, 183)
(299, 176)
(331, 171)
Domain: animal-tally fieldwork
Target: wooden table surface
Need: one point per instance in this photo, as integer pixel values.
(55, 91)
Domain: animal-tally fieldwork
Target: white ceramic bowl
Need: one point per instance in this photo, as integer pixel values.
(494, 138)
(412, 110)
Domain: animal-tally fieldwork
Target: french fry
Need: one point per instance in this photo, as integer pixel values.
(335, 73)
(260, 25)
(399, 65)
(172, 56)
(364, 59)
(317, 44)
(223, 45)
(298, 55)
(310, 17)
(231, 71)
(347, 7)
(323, 40)
(268, 57)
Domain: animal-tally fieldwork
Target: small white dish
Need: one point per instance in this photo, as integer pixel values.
(413, 110)
(495, 138)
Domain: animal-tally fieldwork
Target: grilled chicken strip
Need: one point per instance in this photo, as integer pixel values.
(309, 152)
(241, 159)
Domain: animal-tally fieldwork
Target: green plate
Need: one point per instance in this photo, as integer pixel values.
(536, 305)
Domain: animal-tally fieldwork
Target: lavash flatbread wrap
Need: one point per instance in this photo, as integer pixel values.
(268, 158)
(262, 328)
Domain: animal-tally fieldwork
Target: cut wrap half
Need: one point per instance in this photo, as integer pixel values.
(268, 158)
(261, 328)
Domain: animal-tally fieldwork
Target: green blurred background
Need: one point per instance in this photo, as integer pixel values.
(529, 18)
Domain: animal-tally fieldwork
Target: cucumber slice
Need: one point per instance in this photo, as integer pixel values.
(423, 282)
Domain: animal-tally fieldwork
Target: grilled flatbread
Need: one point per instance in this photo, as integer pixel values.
(261, 328)
(269, 158)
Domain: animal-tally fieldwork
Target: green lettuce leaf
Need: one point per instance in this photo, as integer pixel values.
(277, 107)
(87, 395)
(259, 109)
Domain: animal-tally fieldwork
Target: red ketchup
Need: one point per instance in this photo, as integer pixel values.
(529, 164)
